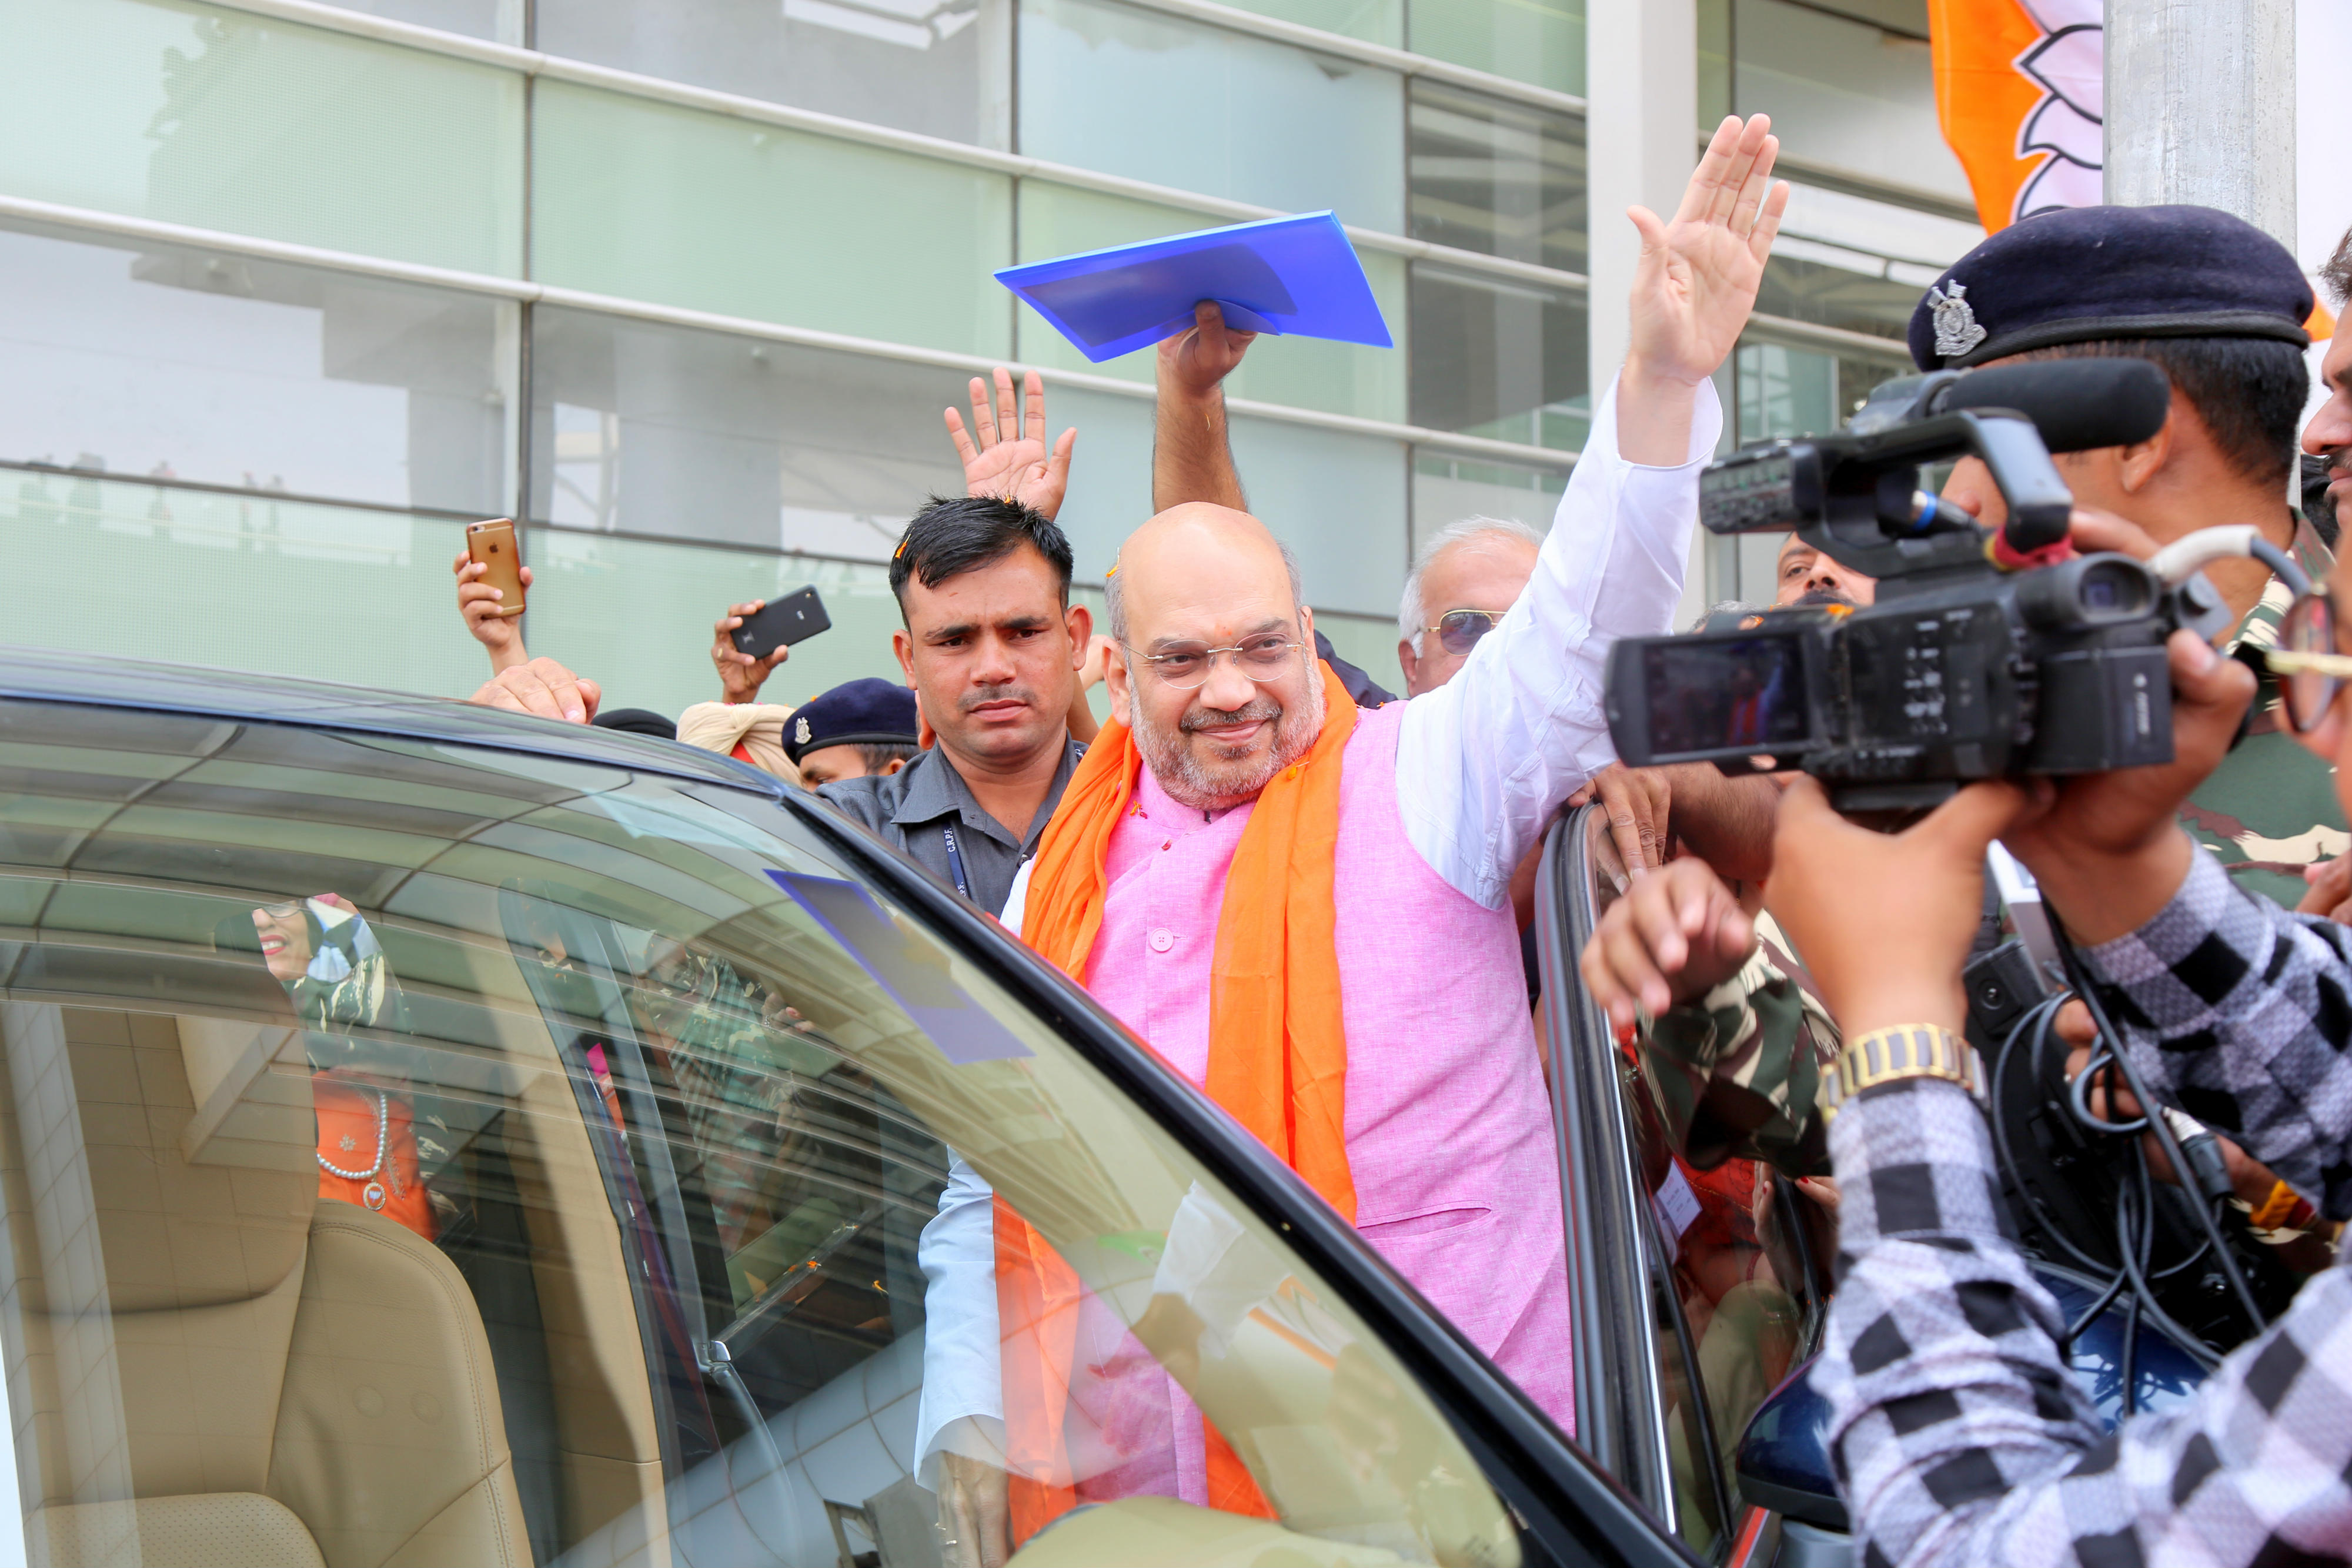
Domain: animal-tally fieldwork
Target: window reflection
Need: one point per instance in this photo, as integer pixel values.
(939, 68)
(1496, 177)
(1161, 98)
(679, 1139)
(658, 430)
(251, 374)
(1720, 1097)
(1499, 358)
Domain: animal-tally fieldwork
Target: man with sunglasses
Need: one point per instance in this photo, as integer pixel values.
(1304, 907)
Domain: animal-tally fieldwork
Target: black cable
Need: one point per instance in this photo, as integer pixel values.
(2091, 1315)
(2078, 977)
(2131, 1358)
(2144, 1297)
(2039, 1019)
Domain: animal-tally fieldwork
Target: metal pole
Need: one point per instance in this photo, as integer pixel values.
(2200, 107)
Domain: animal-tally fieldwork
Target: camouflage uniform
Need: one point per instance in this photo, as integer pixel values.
(1737, 1073)
(2270, 809)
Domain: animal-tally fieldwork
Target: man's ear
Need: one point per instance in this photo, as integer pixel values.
(1409, 660)
(893, 766)
(1079, 622)
(1115, 681)
(2143, 461)
(903, 646)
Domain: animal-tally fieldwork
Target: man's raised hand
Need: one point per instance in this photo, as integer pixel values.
(479, 603)
(740, 674)
(1195, 361)
(542, 687)
(1698, 278)
(1004, 452)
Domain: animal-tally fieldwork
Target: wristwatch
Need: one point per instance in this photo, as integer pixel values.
(1905, 1050)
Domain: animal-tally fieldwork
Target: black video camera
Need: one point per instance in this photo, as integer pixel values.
(1961, 670)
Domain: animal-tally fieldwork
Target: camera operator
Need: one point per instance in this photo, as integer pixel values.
(2220, 308)
(1959, 1433)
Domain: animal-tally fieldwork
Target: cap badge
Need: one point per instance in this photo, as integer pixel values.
(1957, 331)
(799, 731)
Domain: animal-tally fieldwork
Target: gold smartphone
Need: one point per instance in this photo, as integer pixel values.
(493, 544)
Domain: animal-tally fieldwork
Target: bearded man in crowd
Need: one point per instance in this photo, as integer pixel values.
(1304, 907)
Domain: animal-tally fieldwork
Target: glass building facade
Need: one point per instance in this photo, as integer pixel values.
(298, 289)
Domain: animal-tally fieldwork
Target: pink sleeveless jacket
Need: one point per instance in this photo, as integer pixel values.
(1449, 1128)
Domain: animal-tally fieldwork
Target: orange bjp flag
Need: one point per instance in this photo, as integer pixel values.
(2019, 95)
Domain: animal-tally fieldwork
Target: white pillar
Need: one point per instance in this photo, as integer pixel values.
(2200, 107)
(1641, 74)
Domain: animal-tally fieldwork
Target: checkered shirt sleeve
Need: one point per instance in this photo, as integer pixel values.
(1958, 1434)
(2240, 1013)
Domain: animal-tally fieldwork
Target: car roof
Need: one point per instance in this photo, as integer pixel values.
(46, 675)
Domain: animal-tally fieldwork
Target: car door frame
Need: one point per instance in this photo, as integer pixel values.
(1571, 1506)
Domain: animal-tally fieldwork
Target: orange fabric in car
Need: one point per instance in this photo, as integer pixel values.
(1277, 1053)
(347, 1138)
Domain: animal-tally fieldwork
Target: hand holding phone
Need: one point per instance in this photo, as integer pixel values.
(492, 546)
(795, 618)
(753, 638)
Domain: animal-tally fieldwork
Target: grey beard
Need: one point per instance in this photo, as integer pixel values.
(1205, 786)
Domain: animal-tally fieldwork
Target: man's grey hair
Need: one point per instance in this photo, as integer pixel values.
(1115, 599)
(1412, 615)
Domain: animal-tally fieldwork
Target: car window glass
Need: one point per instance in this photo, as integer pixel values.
(484, 1156)
(1718, 1095)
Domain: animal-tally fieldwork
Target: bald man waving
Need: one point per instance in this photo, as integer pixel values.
(1304, 907)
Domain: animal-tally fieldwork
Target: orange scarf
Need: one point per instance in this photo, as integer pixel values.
(1277, 1054)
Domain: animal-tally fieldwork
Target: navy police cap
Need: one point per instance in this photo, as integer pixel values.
(857, 713)
(2079, 274)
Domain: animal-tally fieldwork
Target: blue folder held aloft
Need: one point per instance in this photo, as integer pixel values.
(1296, 276)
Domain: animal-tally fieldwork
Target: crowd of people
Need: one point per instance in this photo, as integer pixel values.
(1313, 898)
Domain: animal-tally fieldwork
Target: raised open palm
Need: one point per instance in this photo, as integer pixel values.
(1004, 452)
(1697, 277)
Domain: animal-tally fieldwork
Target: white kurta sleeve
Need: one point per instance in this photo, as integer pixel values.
(1485, 760)
(962, 1405)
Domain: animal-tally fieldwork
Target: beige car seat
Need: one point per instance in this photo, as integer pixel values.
(208, 1365)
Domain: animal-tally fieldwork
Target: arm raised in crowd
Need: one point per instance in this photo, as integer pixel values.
(1192, 454)
(740, 675)
(478, 603)
(1004, 452)
(1487, 757)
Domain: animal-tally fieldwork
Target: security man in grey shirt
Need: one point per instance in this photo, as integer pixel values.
(993, 646)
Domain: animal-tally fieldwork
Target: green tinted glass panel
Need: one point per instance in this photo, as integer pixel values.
(1306, 372)
(646, 428)
(1367, 642)
(1496, 177)
(1499, 358)
(1540, 42)
(1373, 21)
(637, 614)
(940, 67)
(1844, 93)
(1165, 99)
(223, 119)
(364, 597)
(173, 362)
(651, 201)
(1447, 488)
(1335, 497)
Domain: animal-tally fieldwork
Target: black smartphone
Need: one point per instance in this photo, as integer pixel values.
(781, 622)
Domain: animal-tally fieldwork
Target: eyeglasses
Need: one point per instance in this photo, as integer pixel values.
(1458, 630)
(2306, 656)
(1261, 658)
